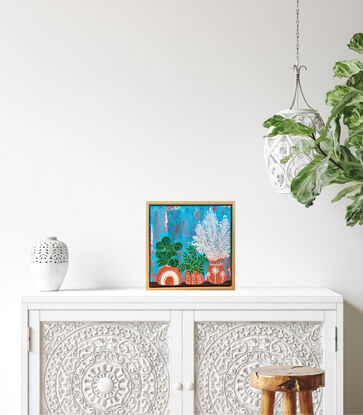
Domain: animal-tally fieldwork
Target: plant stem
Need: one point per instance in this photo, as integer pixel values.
(324, 154)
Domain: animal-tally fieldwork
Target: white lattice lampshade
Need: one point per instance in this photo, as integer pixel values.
(276, 148)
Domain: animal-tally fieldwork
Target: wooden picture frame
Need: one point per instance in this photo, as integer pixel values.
(181, 253)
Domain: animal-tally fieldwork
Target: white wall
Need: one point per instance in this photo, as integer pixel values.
(107, 104)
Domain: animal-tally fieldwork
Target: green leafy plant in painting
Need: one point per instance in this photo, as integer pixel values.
(166, 251)
(192, 262)
(336, 159)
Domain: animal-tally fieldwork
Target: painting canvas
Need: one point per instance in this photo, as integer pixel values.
(190, 245)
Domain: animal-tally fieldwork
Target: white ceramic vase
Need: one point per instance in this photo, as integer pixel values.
(49, 263)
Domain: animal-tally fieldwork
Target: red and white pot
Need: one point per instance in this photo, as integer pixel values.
(216, 273)
(169, 276)
(195, 278)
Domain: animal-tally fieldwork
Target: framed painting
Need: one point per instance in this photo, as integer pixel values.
(190, 245)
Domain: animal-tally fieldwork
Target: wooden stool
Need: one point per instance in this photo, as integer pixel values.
(288, 380)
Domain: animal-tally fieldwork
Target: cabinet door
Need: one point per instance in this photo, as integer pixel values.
(228, 344)
(104, 362)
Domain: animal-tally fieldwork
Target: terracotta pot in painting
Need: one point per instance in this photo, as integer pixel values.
(216, 273)
(169, 276)
(195, 278)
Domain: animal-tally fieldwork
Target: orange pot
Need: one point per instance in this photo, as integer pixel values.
(193, 279)
(216, 273)
(169, 276)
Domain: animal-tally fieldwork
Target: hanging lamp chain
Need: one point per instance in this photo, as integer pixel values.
(297, 67)
(297, 32)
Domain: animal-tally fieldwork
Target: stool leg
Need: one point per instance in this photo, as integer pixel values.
(306, 403)
(267, 403)
(289, 403)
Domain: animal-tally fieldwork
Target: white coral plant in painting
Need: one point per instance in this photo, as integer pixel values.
(213, 238)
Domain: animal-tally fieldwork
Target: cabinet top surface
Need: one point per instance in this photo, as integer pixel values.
(135, 295)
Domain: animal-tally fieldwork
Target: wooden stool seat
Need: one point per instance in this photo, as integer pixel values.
(289, 380)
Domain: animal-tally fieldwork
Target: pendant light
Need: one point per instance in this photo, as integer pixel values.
(276, 148)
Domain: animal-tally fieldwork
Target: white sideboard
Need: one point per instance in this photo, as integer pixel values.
(133, 352)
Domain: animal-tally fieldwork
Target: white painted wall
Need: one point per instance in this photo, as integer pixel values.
(107, 104)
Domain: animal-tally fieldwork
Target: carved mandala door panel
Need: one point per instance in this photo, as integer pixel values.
(105, 367)
(226, 351)
(95, 361)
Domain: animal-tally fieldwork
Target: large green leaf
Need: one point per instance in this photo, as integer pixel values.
(356, 43)
(312, 178)
(354, 170)
(355, 138)
(353, 116)
(342, 153)
(354, 213)
(352, 97)
(346, 192)
(346, 69)
(356, 81)
(286, 126)
(346, 155)
(342, 94)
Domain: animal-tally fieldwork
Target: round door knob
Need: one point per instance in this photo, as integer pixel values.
(178, 386)
(105, 385)
(189, 386)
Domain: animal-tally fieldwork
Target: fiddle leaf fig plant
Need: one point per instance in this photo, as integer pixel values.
(338, 159)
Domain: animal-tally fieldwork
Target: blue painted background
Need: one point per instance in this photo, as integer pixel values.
(179, 223)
